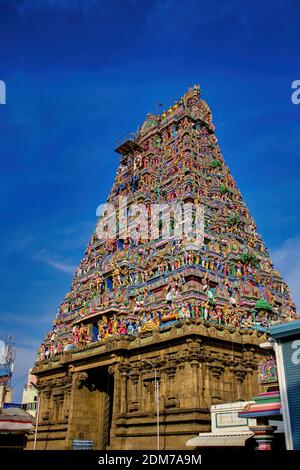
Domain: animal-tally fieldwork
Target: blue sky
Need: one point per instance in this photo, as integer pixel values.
(80, 74)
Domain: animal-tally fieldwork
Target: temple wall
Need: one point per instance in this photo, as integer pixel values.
(108, 394)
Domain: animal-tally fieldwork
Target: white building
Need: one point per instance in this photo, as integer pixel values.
(29, 398)
(227, 429)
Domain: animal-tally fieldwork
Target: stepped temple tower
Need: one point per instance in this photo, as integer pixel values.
(168, 321)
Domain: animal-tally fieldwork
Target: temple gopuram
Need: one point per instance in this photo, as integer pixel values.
(157, 329)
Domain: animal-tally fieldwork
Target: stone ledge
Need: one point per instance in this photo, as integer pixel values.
(190, 327)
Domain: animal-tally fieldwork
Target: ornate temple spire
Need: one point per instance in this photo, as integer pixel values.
(140, 279)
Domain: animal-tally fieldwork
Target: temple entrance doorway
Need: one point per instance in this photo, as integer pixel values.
(104, 386)
(92, 407)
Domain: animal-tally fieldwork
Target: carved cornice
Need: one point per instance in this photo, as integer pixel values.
(58, 382)
(134, 374)
(170, 369)
(216, 368)
(240, 373)
(124, 368)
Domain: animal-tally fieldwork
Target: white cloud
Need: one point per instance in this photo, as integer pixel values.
(287, 260)
(55, 262)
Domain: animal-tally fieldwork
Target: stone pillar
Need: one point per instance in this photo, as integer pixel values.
(148, 405)
(45, 405)
(134, 377)
(115, 371)
(239, 374)
(216, 372)
(106, 410)
(207, 386)
(248, 384)
(201, 385)
(250, 365)
(123, 387)
(117, 389)
(59, 406)
(68, 389)
(182, 394)
(171, 398)
(195, 379)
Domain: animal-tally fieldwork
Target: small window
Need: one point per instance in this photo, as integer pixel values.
(109, 283)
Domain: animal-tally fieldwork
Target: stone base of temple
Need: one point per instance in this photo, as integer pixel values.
(106, 392)
(140, 431)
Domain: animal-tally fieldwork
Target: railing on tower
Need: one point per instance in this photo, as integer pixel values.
(127, 144)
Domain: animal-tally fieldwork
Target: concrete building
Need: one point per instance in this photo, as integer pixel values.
(227, 428)
(30, 395)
